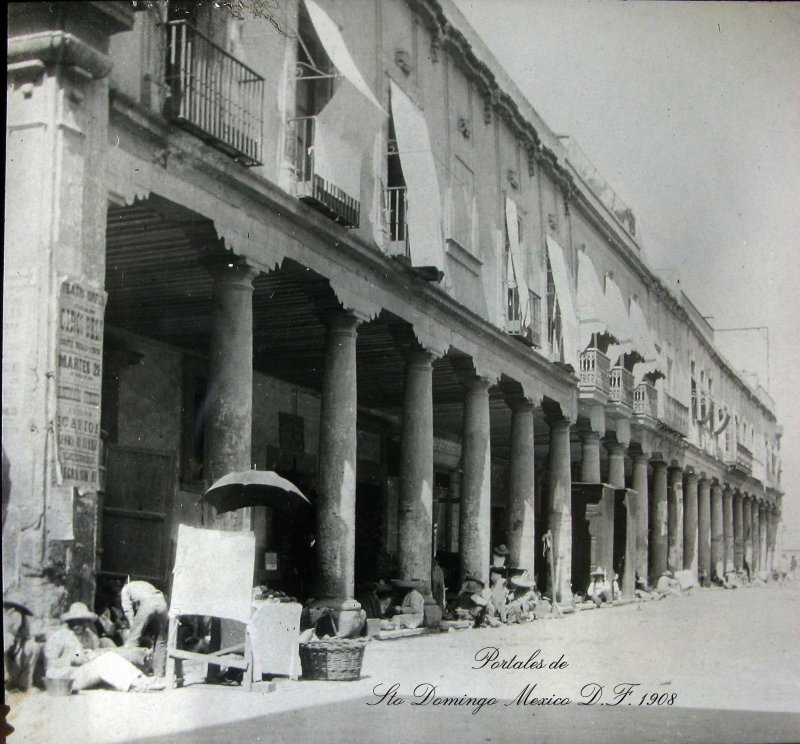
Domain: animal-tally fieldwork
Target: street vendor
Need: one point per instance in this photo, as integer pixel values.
(667, 585)
(500, 555)
(73, 651)
(410, 612)
(522, 600)
(145, 609)
(499, 592)
(21, 652)
(600, 590)
(376, 599)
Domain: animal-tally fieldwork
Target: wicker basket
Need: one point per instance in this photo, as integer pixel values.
(336, 659)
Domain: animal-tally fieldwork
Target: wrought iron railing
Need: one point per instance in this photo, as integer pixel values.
(621, 383)
(213, 94)
(594, 370)
(744, 458)
(645, 400)
(396, 205)
(312, 188)
(674, 414)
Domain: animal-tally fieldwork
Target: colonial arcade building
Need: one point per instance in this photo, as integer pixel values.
(336, 241)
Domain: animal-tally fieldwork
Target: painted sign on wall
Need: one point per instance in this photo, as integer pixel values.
(79, 382)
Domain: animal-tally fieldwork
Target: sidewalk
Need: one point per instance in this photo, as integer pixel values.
(719, 650)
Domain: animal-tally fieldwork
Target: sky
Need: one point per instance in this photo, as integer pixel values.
(691, 111)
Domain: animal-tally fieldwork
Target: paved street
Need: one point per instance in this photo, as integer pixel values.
(726, 661)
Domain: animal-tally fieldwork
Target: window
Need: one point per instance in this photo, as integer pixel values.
(462, 215)
(554, 331)
(396, 199)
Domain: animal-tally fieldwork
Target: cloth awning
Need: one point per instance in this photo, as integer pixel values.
(590, 302)
(569, 318)
(619, 324)
(422, 184)
(643, 343)
(346, 126)
(518, 265)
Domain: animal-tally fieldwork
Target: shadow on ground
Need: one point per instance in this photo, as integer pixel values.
(357, 721)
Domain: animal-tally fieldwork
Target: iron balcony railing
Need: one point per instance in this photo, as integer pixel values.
(744, 458)
(674, 415)
(312, 188)
(213, 95)
(594, 371)
(621, 386)
(395, 199)
(531, 334)
(645, 400)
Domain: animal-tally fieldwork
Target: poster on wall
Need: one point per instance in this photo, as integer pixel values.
(79, 382)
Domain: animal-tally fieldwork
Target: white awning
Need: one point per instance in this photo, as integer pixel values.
(643, 343)
(336, 49)
(422, 184)
(346, 126)
(569, 318)
(619, 324)
(590, 302)
(518, 261)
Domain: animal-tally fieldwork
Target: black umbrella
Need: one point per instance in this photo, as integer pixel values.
(254, 488)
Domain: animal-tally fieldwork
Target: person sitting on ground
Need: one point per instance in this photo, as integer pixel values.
(643, 591)
(667, 585)
(376, 599)
(499, 594)
(410, 613)
(73, 651)
(438, 588)
(21, 651)
(500, 556)
(600, 589)
(111, 622)
(472, 601)
(145, 609)
(522, 600)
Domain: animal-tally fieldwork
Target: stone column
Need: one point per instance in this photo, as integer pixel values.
(560, 499)
(727, 527)
(747, 525)
(590, 457)
(57, 137)
(336, 511)
(738, 532)
(773, 522)
(640, 464)
(764, 520)
(475, 512)
(756, 535)
(717, 531)
(229, 420)
(704, 529)
(616, 464)
(416, 470)
(521, 476)
(675, 511)
(690, 522)
(658, 521)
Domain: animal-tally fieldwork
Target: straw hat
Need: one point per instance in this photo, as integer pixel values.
(78, 611)
(406, 583)
(382, 587)
(599, 571)
(520, 582)
(16, 601)
(475, 578)
(501, 550)
(479, 600)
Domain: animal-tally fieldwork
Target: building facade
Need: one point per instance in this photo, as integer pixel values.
(334, 240)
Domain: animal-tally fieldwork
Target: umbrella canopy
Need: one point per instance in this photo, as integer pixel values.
(254, 488)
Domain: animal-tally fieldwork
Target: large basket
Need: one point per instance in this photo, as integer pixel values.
(336, 659)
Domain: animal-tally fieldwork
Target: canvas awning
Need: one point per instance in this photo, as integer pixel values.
(590, 302)
(422, 184)
(643, 343)
(569, 318)
(346, 126)
(619, 324)
(518, 265)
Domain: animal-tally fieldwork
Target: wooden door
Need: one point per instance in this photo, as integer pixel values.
(136, 514)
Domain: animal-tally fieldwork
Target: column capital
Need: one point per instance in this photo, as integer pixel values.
(613, 447)
(420, 359)
(639, 457)
(690, 474)
(589, 436)
(559, 425)
(342, 322)
(229, 268)
(518, 402)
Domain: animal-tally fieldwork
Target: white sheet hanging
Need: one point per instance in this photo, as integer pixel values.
(590, 303)
(422, 183)
(346, 126)
(519, 265)
(569, 318)
(643, 343)
(619, 324)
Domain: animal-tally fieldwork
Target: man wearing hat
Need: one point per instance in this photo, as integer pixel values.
(76, 644)
(20, 650)
(145, 609)
(600, 590)
(500, 555)
(667, 585)
(376, 599)
(411, 610)
(522, 600)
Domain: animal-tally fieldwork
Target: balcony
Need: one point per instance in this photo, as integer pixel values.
(395, 199)
(645, 401)
(744, 460)
(312, 188)
(213, 95)
(621, 387)
(594, 373)
(674, 415)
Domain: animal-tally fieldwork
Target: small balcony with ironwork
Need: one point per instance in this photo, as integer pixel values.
(594, 376)
(620, 389)
(213, 95)
(528, 331)
(395, 200)
(645, 402)
(742, 461)
(310, 187)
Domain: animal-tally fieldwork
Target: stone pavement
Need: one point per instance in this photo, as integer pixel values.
(729, 658)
